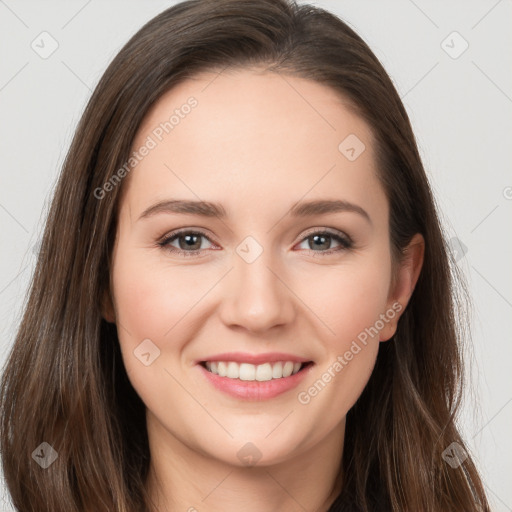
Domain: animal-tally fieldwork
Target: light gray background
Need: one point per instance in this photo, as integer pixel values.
(461, 113)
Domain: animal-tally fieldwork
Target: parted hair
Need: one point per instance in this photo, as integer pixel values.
(64, 381)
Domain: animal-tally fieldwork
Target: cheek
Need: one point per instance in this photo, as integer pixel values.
(153, 302)
(347, 299)
(152, 298)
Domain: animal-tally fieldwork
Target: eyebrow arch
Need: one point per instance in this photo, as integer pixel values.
(323, 206)
(208, 209)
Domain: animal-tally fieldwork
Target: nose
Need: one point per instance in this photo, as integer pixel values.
(256, 295)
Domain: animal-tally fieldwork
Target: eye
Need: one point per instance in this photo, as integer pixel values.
(317, 241)
(189, 243)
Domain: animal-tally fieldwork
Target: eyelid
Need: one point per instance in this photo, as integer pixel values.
(344, 239)
(168, 237)
(329, 231)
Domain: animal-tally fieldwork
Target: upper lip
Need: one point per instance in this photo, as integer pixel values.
(241, 357)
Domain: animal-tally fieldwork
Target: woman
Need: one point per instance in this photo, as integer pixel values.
(243, 299)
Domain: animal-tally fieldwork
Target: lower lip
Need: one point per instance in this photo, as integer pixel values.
(255, 390)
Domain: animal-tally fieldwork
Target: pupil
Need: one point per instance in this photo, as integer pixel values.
(321, 237)
(190, 241)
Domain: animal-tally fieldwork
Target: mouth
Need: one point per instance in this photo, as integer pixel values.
(253, 382)
(254, 373)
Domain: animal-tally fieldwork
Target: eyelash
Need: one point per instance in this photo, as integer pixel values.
(344, 241)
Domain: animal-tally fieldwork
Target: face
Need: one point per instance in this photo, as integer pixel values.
(216, 304)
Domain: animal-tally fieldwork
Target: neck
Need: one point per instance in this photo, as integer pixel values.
(183, 479)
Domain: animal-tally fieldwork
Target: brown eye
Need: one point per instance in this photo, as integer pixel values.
(189, 243)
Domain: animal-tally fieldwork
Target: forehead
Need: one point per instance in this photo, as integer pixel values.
(249, 134)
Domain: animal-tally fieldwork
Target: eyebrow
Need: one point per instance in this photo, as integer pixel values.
(208, 209)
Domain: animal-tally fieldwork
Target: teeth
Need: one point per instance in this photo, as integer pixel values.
(233, 371)
(287, 369)
(246, 372)
(251, 372)
(222, 369)
(277, 370)
(263, 372)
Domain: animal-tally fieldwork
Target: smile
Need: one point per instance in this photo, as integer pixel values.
(266, 375)
(250, 372)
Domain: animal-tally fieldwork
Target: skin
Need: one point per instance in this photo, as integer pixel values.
(257, 158)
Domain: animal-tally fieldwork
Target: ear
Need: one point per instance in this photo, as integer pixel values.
(404, 283)
(107, 307)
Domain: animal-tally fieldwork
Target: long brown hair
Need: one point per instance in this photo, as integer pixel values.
(64, 382)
